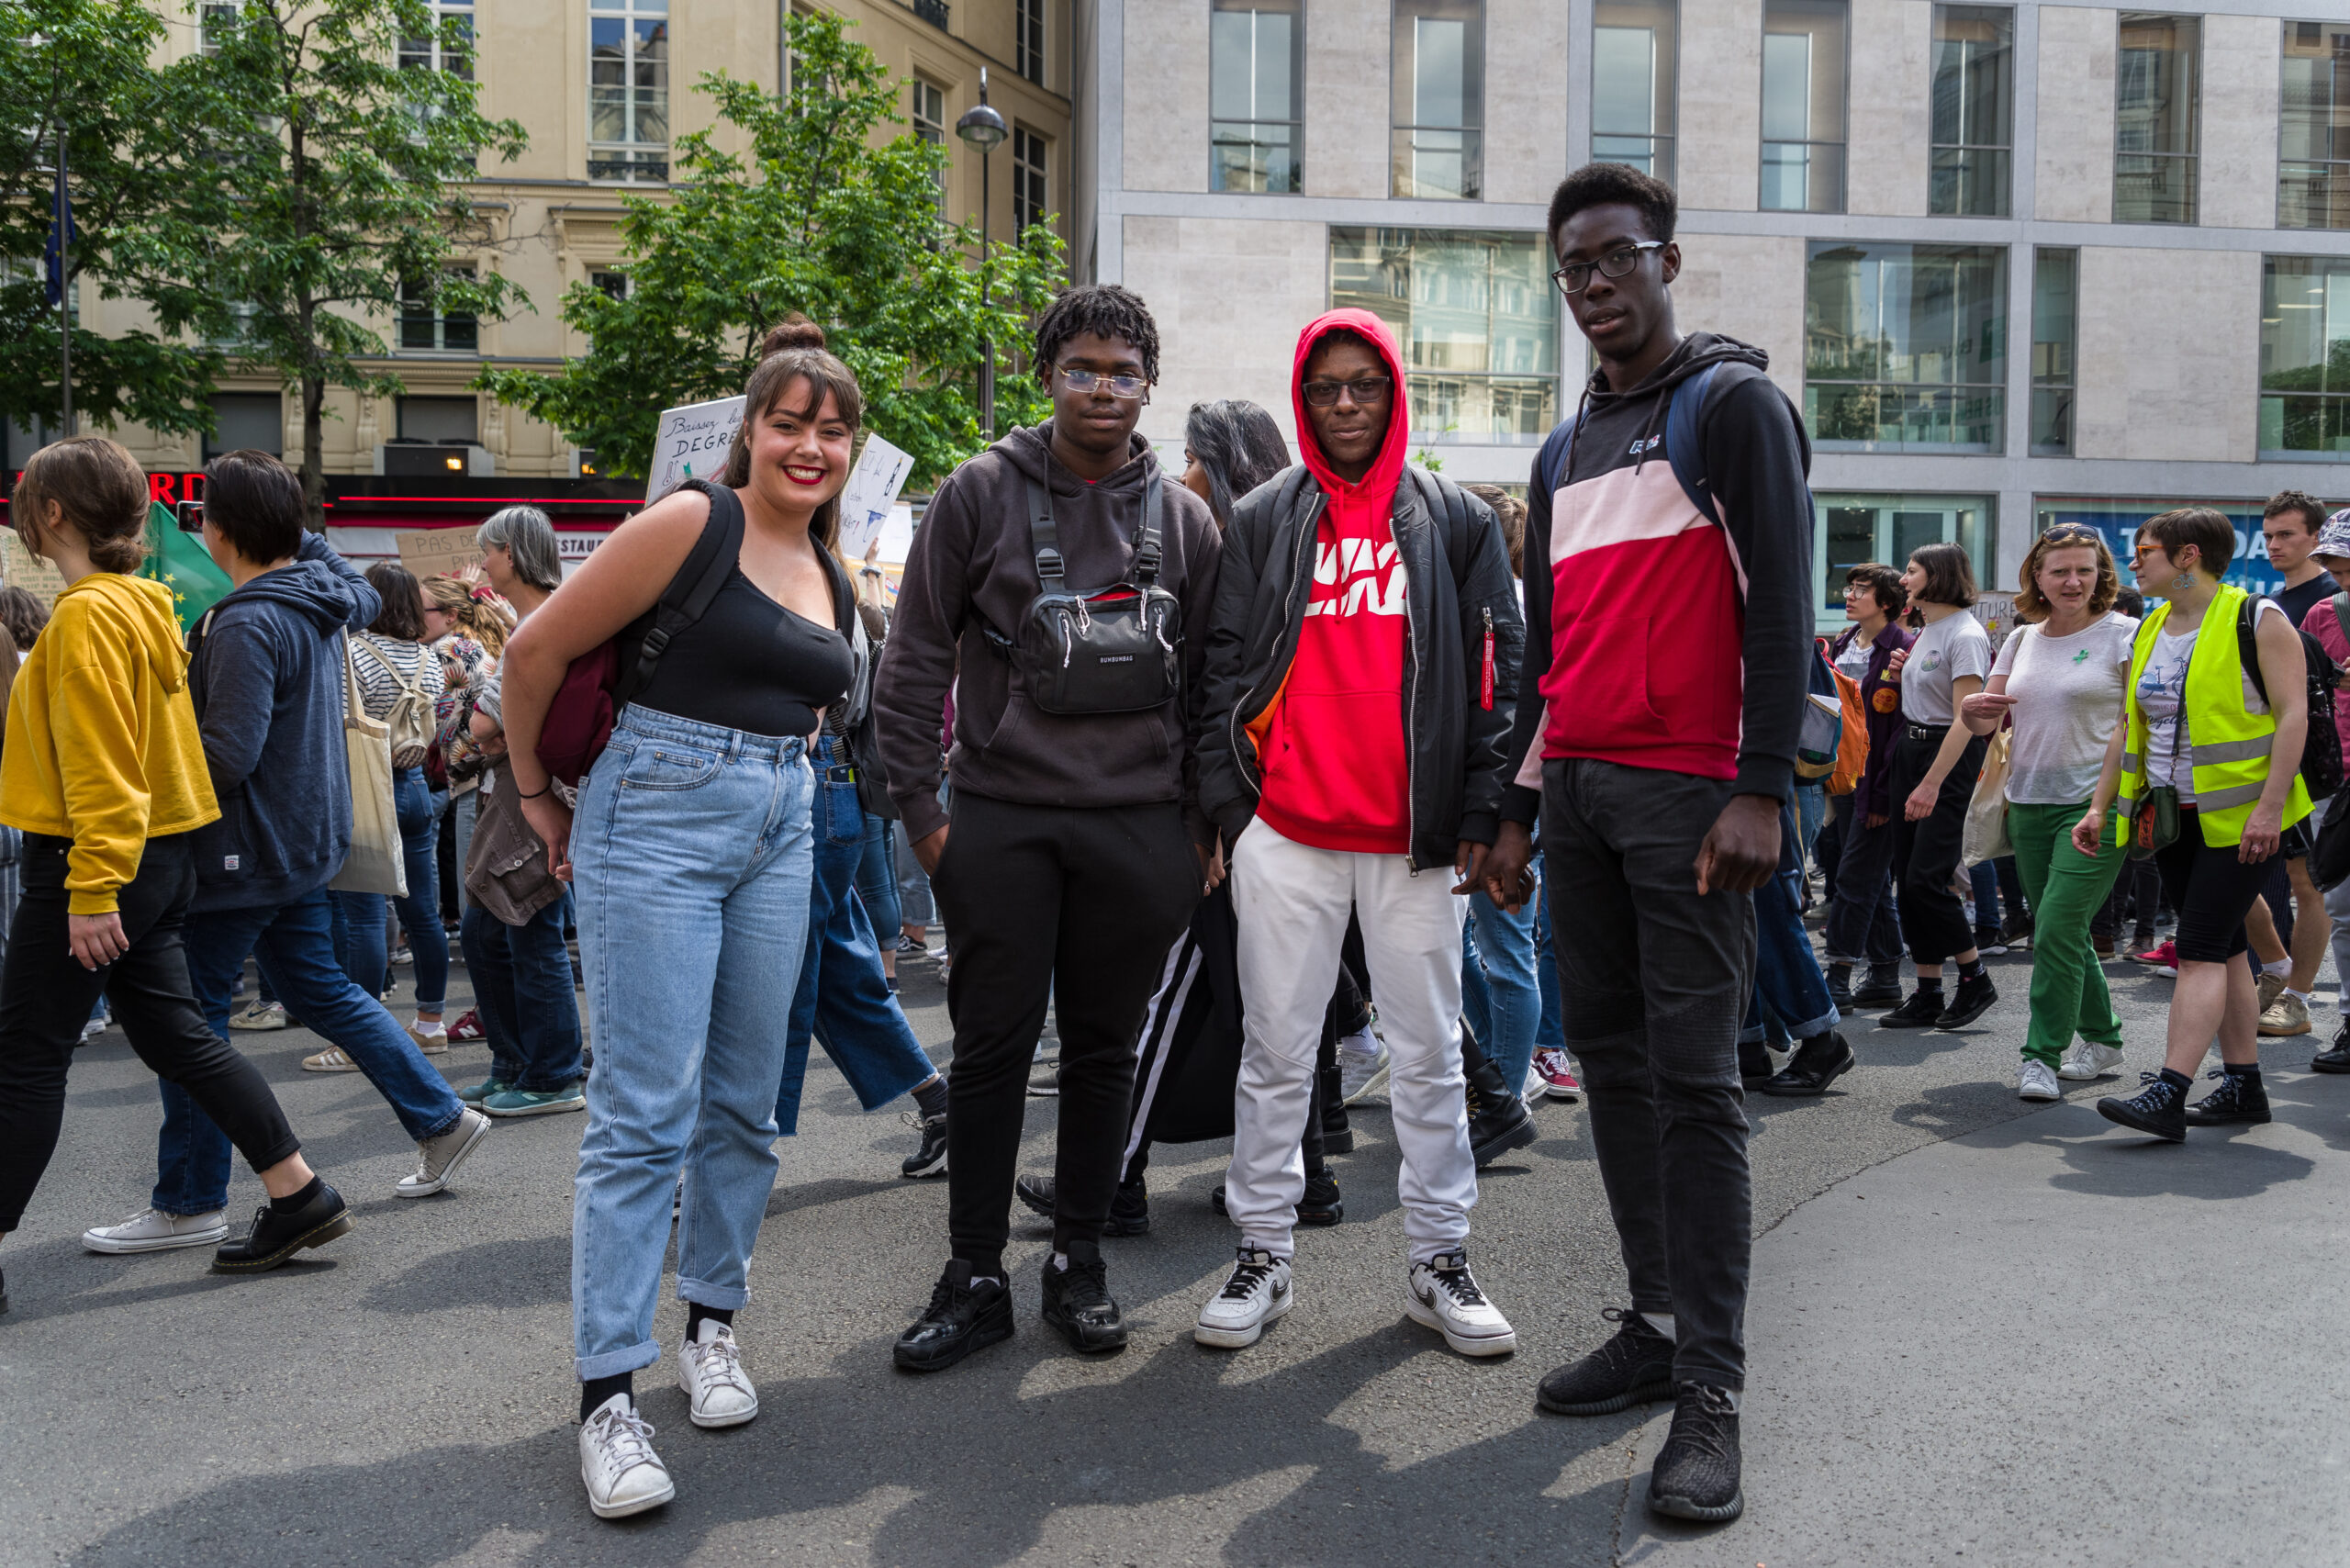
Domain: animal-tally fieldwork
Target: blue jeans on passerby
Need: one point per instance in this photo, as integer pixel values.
(522, 993)
(1501, 997)
(843, 995)
(293, 945)
(1811, 811)
(1788, 981)
(1552, 1033)
(877, 879)
(419, 910)
(692, 857)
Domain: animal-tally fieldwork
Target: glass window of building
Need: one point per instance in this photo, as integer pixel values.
(2313, 145)
(426, 328)
(1905, 347)
(1802, 104)
(612, 285)
(441, 420)
(1478, 319)
(1438, 77)
(2305, 356)
(2157, 109)
(2118, 517)
(1851, 530)
(244, 422)
(1973, 110)
(451, 48)
(1028, 43)
(1255, 94)
(927, 113)
(2055, 294)
(1030, 156)
(1634, 46)
(628, 90)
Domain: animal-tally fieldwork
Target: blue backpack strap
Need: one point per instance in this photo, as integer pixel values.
(1682, 443)
(1553, 455)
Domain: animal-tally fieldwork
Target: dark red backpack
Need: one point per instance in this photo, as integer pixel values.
(601, 682)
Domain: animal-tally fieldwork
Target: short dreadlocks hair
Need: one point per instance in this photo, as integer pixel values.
(1104, 309)
(1605, 185)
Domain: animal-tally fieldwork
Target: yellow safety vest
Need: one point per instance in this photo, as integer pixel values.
(2228, 746)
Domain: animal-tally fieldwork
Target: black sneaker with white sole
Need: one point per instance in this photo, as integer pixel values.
(1696, 1473)
(1076, 1301)
(2159, 1107)
(2237, 1099)
(963, 1316)
(930, 1158)
(1633, 1368)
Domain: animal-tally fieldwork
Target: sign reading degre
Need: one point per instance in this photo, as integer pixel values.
(691, 443)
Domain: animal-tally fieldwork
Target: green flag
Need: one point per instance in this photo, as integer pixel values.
(180, 563)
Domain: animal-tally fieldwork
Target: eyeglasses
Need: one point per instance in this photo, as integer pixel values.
(1575, 276)
(1365, 390)
(1127, 386)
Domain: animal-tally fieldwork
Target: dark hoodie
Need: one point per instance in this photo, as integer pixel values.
(974, 566)
(267, 679)
(1660, 638)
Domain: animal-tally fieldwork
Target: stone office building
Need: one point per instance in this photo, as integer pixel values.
(2014, 262)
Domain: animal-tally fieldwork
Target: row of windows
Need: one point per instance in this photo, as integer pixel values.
(1437, 55)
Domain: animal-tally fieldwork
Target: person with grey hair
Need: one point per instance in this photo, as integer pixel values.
(519, 556)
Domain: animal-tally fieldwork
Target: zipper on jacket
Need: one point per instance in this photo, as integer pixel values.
(1235, 725)
(1413, 612)
(1487, 689)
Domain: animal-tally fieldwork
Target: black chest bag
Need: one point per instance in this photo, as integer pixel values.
(1109, 652)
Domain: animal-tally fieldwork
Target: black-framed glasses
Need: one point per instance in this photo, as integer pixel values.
(1127, 386)
(1575, 276)
(1364, 389)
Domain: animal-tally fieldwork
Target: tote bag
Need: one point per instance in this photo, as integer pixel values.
(376, 864)
(1987, 814)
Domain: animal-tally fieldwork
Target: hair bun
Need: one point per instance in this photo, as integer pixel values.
(795, 331)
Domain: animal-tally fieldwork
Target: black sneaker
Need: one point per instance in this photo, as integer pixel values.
(1695, 1474)
(2237, 1098)
(1320, 1205)
(1129, 1205)
(1922, 1011)
(1076, 1301)
(2336, 1058)
(930, 1160)
(962, 1317)
(1972, 999)
(2160, 1108)
(275, 1236)
(1882, 989)
(1337, 1134)
(1633, 1368)
(1816, 1063)
(1502, 1124)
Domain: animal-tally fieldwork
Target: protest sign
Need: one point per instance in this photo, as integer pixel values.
(872, 490)
(691, 442)
(431, 551)
(23, 569)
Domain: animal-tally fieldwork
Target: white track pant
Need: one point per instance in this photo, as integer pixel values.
(1293, 903)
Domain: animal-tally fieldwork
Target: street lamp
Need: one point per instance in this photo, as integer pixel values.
(982, 128)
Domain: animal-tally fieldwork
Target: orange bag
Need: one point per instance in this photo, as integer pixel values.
(1853, 745)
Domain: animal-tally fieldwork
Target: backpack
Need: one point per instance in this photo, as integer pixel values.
(2320, 765)
(1682, 449)
(410, 719)
(1819, 742)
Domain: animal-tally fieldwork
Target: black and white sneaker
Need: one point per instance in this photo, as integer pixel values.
(930, 1160)
(1442, 1294)
(1257, 1291)
(1076, 1301)
(1696, 1473)
(2237, 1099)
(1633, 1368)
(963, 1316)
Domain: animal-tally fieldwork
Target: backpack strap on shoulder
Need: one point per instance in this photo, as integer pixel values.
(1683, 447)
(707, 566)
(1146, 555)
(2248, 642)
(1044, 537)
(2340, 602)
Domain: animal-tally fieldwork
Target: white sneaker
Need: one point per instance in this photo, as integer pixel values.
(2035, 1081)
(1361, 1073)
(438, 1158)
(152, 1230)
(2089, 1059)
(331, 1059)
(710, 1369)
(261, 1015)
(1443, 1295)
(1258, 1292)
(623, 1474)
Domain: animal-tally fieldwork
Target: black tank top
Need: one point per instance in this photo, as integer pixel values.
(750, 664)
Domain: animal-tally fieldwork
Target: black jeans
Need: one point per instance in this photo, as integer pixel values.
(2136, 893)
(1863, 921)
(1076, 907)
(1653, 982)
(46, 996)
(2211, 889)
(1926, 854)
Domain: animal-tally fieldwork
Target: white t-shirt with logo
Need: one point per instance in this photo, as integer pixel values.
(2068, 698)
(2161, 686)
(1954, 646)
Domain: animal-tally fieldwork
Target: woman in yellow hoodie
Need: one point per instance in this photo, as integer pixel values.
(103, 769)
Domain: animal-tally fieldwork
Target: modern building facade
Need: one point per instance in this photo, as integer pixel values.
(2014, 262)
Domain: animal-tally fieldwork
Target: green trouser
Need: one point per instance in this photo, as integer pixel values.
(2066, 888)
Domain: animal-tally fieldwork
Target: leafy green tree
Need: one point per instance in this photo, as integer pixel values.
(338, 190)
(83, 65)
(814, 218)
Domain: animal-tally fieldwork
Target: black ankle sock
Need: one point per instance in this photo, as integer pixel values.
(695, 1312)
(931, 1098)
(1971, 971)
(292, 1200)
(2178, 1081)
(2248, 1070)
(594, 1391)
(1930, 984)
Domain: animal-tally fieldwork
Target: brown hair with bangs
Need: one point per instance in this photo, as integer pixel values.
(1884, 584)
(98, 487)
(795, 353)
(2213, 536)
(403, 612)
(1950, 577)
(2032, 605)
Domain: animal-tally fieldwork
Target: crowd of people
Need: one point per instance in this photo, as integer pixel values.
(1209, 769)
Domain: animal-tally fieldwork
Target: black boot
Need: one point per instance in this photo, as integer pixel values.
(2160, 1108)
(1920, 1012)
(1882, 989)
(961, 1317)
(1498, 1119)
(2336, 1058)
(1696, 1473)
(1974, 998)
(1076, 1301)
(1839, 987)
(1754, 1069)
(1337, 1134)
(1816, 1063)
(2240, 1097)
(276, 1237)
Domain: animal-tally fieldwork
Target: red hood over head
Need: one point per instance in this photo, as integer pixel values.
(1388, 466)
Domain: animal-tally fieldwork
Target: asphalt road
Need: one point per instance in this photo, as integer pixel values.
(2028, 1340)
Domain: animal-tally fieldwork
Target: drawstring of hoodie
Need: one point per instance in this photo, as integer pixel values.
(1574, 435)
(1648, 431)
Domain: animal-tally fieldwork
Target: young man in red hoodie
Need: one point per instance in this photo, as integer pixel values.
(1361, 663)
(1660, 753)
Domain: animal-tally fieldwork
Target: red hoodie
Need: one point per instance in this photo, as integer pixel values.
(1336, 775)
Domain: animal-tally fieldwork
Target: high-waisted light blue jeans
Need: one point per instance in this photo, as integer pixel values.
(690, 853)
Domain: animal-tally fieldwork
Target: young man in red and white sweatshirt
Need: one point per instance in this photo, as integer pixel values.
(1669, 640)
(1362, 665)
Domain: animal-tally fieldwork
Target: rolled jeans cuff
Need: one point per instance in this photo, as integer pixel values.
(612, 1364)
(726, 1298)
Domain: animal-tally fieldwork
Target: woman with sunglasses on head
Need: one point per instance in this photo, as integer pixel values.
(690, 849)
(2060, 679)
(2205, 769)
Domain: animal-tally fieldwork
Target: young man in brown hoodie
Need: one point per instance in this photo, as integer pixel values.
(1076, 849)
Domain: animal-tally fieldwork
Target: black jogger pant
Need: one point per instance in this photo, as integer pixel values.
(1077, 906)
(46, 996)
(1926, 854)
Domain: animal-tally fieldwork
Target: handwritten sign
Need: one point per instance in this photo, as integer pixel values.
(431, 551)
(23, 569)
(691, 443)
(880, 473)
